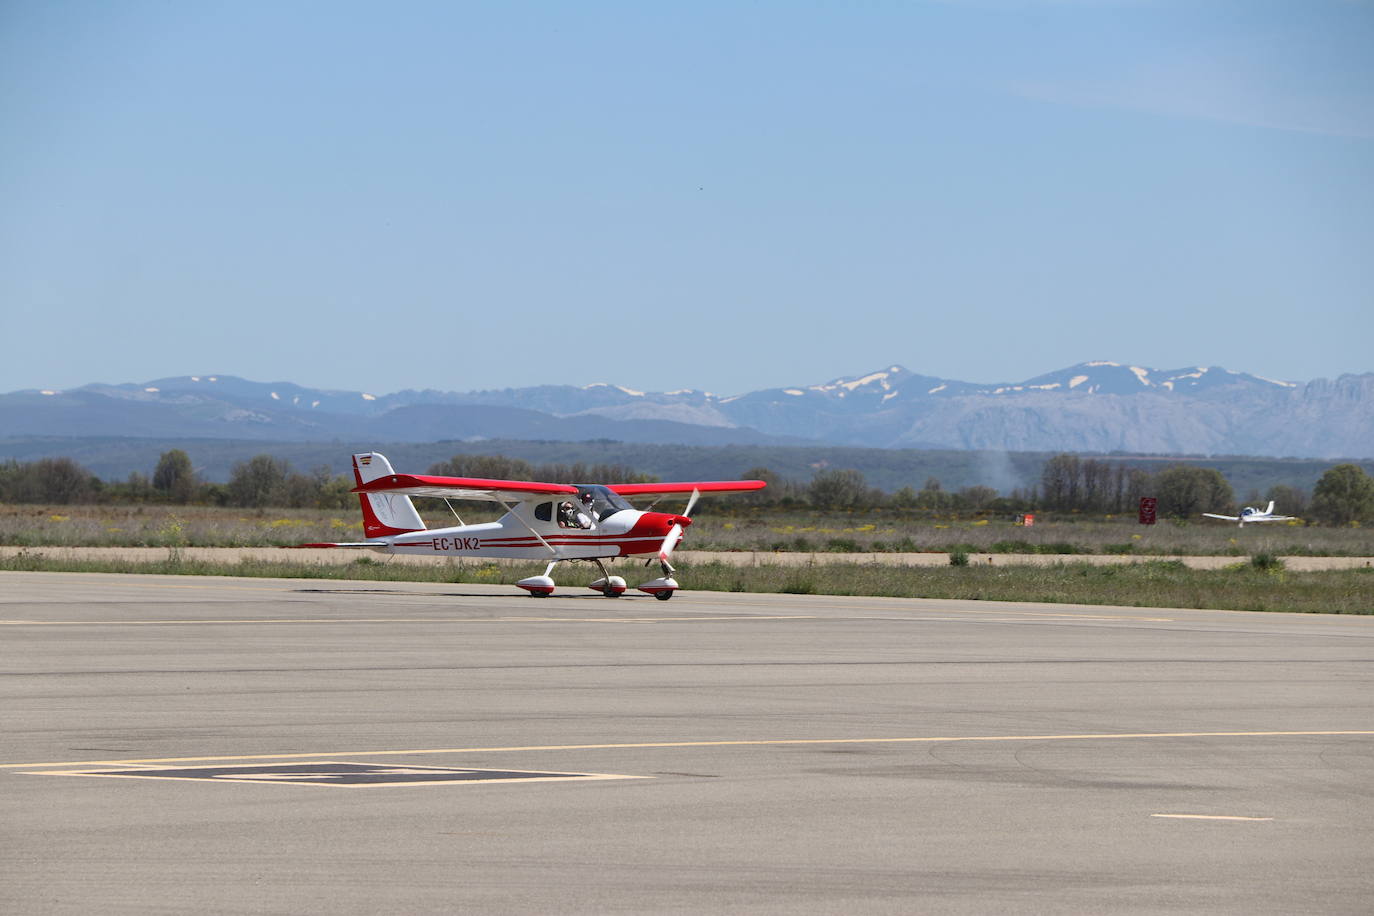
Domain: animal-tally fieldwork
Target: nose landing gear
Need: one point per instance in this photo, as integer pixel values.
(661, 588)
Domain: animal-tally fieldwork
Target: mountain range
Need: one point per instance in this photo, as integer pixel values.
(1095, 406)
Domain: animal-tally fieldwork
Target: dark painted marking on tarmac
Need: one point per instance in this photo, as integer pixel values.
(335, 774)
(693, 775)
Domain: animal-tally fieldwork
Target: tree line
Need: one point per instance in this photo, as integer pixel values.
(260, 482)
(1068, 484)
(1344, 494)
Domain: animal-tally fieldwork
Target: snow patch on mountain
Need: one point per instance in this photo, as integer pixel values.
(880, 377)
(1277, 382)
(621, 388)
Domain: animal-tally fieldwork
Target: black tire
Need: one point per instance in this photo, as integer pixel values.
(610, 593)
(664, 595)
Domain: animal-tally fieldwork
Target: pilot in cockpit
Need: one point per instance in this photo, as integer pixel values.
(586, 514)
(570, 516)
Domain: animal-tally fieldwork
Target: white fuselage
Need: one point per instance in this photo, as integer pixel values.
(520, 535)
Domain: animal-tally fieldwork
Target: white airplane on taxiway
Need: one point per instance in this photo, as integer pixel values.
(1249, 514)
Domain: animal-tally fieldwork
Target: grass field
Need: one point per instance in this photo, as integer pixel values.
(1156, 584)
(885, 531)
(1165, 583)
(857, 532)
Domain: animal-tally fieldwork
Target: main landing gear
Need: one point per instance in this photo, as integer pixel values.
(611, 586)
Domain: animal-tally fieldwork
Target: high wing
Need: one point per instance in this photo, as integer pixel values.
(463, 487)
(704, 486)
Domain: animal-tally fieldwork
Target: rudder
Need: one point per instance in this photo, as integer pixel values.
(383, 514)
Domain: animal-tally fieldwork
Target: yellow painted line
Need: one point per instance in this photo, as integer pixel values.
(1212, 817)
(278, 620)
(746, 742)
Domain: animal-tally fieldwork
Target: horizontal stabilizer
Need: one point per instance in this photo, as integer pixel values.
(345, 544)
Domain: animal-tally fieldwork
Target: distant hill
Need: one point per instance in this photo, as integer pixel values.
(1091, 407)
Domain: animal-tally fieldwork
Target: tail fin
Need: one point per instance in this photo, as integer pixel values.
(383, 514)
(1270, 510)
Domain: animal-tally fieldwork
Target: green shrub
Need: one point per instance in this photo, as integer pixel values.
(958, 557)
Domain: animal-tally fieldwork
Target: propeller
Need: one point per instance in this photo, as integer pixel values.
(665, 550)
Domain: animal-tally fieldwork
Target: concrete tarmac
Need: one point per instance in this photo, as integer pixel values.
(713, 753)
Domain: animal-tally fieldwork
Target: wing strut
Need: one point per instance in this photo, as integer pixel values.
(449, 503)
(528, 527)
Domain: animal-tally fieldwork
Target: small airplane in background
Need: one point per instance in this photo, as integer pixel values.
(555, 521)
(1249, 514)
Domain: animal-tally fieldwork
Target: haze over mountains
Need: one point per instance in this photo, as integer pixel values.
(1091, 407)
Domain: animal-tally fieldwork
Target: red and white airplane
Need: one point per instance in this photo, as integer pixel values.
(558, 522)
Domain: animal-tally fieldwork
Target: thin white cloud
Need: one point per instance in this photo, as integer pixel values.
(1275, 111)
(1274, 81)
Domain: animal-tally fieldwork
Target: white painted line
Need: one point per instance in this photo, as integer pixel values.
(1212, 817)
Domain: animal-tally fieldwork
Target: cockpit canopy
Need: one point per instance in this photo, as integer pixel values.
(605, 503)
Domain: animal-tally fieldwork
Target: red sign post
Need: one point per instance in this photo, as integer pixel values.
(1148, 505)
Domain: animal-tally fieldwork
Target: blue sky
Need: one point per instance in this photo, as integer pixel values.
(723, 196)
